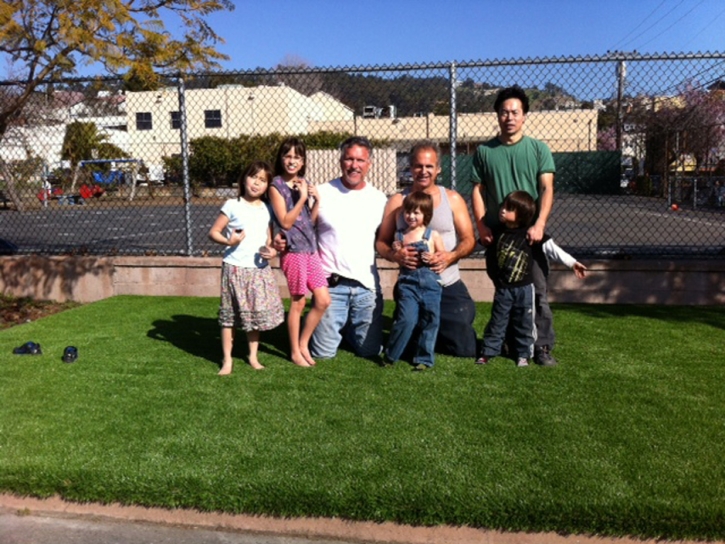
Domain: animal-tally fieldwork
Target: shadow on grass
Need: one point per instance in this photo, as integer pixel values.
(714, 316)
(200, 337)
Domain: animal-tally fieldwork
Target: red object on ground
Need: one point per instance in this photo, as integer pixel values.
(89, 191)
(675, 207)
(86, 191)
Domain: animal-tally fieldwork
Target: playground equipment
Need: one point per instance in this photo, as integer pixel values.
(122, 172)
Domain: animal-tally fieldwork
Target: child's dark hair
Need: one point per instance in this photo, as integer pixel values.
(419, 200)
(291, 144)
(511, 92)
(523, 204)
(252, 170)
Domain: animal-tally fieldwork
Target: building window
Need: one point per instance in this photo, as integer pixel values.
(212, 118)
(175, 120)
(143, 121)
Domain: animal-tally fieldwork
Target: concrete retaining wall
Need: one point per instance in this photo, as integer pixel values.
(87, 279)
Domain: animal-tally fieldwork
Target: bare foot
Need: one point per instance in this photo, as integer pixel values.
(299, 360)
(226, 369)
(306, 355)
(255, 364)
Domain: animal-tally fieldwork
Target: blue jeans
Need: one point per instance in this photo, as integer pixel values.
(418, 304)
(355, 314)
(513, 308)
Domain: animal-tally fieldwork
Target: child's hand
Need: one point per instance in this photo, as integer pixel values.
(312, 192)
(236, 237)
(426, 256)
(580, 270)
(280, 242)
(397, 245)
(302, 187)
(267, 252)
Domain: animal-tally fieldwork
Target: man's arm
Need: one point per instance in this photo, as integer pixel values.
(464, 232)
(404, 256)
(546, 203)
(479, 212)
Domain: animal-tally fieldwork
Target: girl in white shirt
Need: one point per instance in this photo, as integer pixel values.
(250, 297)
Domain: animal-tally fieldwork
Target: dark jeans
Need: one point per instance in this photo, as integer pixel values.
(512, 314)
(457, 336)
(418, 305)
(544, 318)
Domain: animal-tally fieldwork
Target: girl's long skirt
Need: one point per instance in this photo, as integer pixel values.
(250, 299)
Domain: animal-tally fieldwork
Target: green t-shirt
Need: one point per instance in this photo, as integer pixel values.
(506, 168)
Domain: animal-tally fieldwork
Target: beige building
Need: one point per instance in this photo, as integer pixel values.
(570, 130)
(227, 111)
(232, 110)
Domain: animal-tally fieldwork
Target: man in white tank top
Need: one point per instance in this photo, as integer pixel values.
(451, 219)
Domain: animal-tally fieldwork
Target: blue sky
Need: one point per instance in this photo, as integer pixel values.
(334, 33)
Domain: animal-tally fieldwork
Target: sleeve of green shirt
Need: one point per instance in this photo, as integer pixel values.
(546, 159)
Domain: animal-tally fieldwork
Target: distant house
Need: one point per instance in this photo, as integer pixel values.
(40, 131)
(228, 111)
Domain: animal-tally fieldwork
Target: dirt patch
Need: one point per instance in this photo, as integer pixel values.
(15, 311)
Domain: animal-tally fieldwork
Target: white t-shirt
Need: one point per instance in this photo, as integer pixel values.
(255, 220)
(346, 229)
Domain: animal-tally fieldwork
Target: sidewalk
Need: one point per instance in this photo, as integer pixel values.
(54, 521)
(15, 529)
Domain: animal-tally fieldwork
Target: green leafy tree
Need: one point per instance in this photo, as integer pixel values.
(211, 161)
(45, 40)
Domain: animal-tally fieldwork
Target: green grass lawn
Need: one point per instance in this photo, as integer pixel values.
(625, 437)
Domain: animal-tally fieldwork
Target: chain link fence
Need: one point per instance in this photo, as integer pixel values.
(90, 167)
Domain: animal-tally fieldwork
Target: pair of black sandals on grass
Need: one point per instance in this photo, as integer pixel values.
(70, 354)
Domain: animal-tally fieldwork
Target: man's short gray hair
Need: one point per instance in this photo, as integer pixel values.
(425, 146)
(353, 141)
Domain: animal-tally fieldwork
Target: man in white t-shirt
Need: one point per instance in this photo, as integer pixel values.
(350, 212)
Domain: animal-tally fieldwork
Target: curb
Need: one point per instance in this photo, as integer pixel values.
(311, 528)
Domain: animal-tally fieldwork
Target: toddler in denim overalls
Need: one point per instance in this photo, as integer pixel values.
(418, 291)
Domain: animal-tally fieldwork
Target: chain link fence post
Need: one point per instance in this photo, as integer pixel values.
(185, 165)
(621, 76)
(453, 123)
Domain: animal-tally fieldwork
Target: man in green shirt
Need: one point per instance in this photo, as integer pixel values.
(514, 162)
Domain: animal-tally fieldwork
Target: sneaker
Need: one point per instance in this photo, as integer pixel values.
(543, 357)
(70, 354)
(420, 367)
(522, 361)
(483, 360)
(29, 348)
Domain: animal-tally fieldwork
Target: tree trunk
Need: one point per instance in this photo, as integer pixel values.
(11, 188)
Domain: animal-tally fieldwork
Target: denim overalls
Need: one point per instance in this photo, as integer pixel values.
(418, 304)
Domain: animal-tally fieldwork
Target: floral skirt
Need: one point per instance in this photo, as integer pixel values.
(250, 299)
